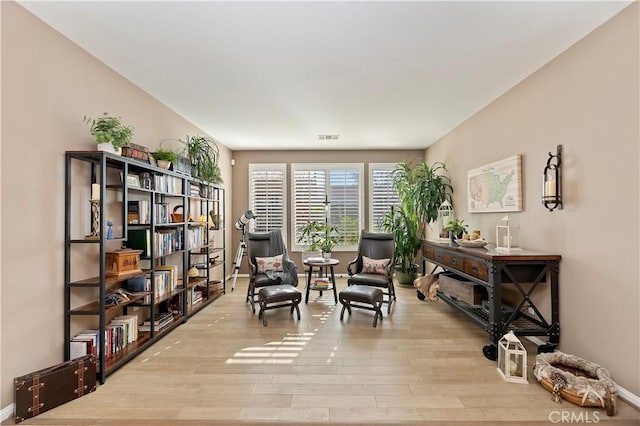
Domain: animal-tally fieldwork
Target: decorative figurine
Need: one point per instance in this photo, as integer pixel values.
(110, 230)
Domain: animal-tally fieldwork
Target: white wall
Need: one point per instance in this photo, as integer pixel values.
(587, 100)
(48, 85)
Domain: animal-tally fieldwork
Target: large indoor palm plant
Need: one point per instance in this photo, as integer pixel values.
(421, 189)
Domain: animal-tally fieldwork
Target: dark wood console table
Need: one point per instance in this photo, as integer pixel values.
(523, 271)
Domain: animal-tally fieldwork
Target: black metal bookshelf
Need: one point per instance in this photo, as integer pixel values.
(117, 181)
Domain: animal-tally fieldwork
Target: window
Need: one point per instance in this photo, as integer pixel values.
(267, 201)
(383, 193)
(341, 186)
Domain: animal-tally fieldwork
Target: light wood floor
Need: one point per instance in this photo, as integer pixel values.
(422, 365)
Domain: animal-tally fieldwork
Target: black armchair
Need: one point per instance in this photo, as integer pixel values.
(374, 245)
(268, 244)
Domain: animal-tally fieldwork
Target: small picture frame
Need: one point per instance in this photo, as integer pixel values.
(152, 160)
(133, 181)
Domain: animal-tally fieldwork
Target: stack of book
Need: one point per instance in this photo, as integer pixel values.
(322, 282)
(162, 320)
(84, 343)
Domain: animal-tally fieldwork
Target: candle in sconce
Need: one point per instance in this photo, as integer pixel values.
(550, 188)
(95, 191)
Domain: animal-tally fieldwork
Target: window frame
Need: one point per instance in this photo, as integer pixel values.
(370, 187)
(281, 167)
(327, 167)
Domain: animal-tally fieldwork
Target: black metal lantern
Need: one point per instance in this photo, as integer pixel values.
(552, 181)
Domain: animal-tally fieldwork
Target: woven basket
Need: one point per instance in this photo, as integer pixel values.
(177, 217)
(584, 383)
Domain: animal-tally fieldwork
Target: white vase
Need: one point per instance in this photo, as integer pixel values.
(108, 147)
(164, 164)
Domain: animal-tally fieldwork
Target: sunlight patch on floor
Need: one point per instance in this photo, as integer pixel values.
(280, 352)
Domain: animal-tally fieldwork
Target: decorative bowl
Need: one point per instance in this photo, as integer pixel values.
(472, 243)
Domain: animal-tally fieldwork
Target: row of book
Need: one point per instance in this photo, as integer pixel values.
(168, 184)
(120, 332)
(165, 280)
(196, 236)
(165, 241)
(139, 212)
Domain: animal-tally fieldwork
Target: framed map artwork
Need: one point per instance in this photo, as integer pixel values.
(495, 187)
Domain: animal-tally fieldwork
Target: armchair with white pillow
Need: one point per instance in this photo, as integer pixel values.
(374, 264)
(269, 263)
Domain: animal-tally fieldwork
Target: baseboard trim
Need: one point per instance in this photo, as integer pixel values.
(624, 394)
(6, 412)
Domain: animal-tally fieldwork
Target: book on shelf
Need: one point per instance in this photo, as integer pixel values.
(90, 336)
(130, 325)
(138, 212)
(173, 274)
(321, 282)
(80, 347)
(160, 318)
(146, 326)
(162, 213)
(140, 239)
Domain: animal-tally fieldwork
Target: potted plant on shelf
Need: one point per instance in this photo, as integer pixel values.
(203, 153)
(165, 157)
(110, 133)
(421, 189)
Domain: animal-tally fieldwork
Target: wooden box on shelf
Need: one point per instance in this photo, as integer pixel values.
(121, 263)
(462, 289)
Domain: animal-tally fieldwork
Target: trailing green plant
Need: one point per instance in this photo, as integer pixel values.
(203, 153)
(319, 236)
(421, 189)
(109, 129)
(166, 155)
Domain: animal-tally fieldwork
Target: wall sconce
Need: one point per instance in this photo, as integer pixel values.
(552, 181)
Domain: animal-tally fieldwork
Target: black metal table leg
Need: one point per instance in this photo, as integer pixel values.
(333, 284)
(306, 298)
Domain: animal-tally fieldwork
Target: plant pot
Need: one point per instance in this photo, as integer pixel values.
(108, 147)
(326, 255)
(406, 278)
(164, 164)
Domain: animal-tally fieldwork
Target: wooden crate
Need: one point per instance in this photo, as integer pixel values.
(462, 289)
(122, 262)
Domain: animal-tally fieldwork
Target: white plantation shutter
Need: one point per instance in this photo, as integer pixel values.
(267, 201)
(383, 193)
(344, 195)
(342, 185)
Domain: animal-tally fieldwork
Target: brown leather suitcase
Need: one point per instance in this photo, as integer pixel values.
(43, 390)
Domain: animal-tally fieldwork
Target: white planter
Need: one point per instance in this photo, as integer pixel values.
(108, 147)
(326, 255)
(164, 164)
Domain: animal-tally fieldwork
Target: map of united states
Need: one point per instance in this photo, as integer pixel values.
(495, 187)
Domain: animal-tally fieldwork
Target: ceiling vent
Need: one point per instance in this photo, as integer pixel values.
(328, 137)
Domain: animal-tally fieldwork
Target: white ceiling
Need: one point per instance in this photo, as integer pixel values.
(275, 75)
